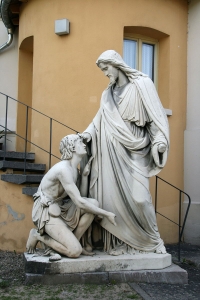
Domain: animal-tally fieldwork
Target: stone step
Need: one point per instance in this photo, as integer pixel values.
(18, 166)
(30, 191)
(13, 155)
(21, 178)
(104, 268)
(101, 262)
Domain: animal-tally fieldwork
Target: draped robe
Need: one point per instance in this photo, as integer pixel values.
(126, 133)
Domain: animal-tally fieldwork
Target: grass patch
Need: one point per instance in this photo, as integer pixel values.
(4, 284)
(52, 298)
(68, 292)
(9, 298)
(133, 296)
(188, 262)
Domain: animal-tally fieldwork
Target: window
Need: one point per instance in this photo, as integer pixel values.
(140, 54)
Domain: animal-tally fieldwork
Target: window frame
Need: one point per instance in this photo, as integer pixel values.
(140, 39)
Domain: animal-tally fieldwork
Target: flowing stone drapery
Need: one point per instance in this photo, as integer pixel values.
(126, 133)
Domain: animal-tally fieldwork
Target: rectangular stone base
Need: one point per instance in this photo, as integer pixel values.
(173, 275)
(103, 268)
(101, 262)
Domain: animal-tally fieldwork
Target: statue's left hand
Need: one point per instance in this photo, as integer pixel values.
(87, 168)
(159, 152)
(162, 148)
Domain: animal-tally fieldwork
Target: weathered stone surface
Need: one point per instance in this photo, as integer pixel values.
(93, 278)
(173, 275)
(101, 262)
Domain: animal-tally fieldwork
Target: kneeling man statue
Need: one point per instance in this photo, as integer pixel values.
(61, 212)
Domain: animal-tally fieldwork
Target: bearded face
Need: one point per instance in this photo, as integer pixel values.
(110, 71)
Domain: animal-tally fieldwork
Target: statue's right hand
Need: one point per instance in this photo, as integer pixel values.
(86, 136)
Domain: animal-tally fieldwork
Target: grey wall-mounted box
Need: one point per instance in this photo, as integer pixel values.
(62, 27)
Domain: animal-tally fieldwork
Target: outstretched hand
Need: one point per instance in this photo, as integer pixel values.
(111, 217)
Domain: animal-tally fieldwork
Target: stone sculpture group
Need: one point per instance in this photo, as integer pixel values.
(108, 202)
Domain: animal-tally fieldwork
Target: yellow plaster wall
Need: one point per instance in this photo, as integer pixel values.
(15, 217)
(25, 77)
(67, 85)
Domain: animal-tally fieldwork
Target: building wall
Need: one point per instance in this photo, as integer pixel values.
(15, 217)
(67, 85)
(8, 82)
(192, 132)
(14, 206)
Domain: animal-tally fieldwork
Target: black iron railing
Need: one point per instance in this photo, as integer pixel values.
(51, 120)
(26, 141)
(180, 227)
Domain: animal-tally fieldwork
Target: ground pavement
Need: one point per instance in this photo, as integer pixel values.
(190, 261)
(12, 282)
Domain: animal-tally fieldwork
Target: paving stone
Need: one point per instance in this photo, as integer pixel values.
(190, 261)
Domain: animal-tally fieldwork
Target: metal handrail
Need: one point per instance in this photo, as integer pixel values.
(26, 131)
(181, 227)
(38, 111)
(30, 143)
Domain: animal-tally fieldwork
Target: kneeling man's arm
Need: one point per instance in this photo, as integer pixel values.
(73, 192)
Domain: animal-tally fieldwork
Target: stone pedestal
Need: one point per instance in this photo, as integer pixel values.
(103, 268)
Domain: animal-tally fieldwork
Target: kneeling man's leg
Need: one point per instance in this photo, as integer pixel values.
(60, 238)
(85, 220)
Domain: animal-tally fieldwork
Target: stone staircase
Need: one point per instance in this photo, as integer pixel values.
(19, 167)
(13, 164)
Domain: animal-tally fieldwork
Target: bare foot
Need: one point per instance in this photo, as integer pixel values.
(111, 217)
(32, 241)
(84, 252)
(54, 256)
(161, 250)
(88, 248)
(118, 250)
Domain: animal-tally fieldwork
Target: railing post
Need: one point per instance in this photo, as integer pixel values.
(156, 194)
(26, 137)
(179, 228)
(186, 214)
(6, 120)
(50, 143)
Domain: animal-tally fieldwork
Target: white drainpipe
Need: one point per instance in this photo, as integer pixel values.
(4, 5)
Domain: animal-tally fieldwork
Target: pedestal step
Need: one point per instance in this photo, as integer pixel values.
(103, 268)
